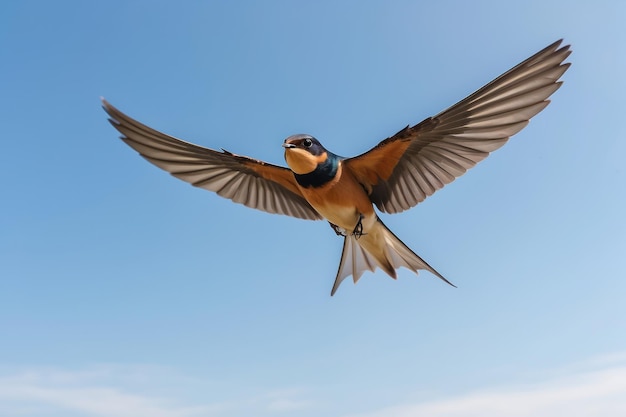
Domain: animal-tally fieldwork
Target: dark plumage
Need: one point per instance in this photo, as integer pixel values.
(322, 174)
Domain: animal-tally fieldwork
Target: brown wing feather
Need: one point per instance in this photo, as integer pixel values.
(403, 170)
(241, 179)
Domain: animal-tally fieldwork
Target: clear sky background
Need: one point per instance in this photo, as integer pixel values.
(125, 292)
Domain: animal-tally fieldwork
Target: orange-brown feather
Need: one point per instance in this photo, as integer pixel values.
(341, 200)
(279, 175)
(378, 163)
(303, 162)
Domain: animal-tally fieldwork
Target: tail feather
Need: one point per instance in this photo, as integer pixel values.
(354, 261)
(378, 248)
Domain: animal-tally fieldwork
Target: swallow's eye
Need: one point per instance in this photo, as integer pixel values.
(307, 143)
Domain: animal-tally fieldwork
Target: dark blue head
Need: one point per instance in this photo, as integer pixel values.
(304, 153)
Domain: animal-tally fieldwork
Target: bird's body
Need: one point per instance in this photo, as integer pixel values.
(328, 184)
(397, 174)
(332, 189)
(328, 190)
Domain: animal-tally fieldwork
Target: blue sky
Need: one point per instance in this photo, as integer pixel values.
(126, 292)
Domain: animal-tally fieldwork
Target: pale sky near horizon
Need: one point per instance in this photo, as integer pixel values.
(126, 292)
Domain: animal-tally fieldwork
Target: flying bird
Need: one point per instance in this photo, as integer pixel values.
(395, 175)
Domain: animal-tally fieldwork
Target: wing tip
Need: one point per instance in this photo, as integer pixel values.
(557, 45)
(111, 111)
(106, 105)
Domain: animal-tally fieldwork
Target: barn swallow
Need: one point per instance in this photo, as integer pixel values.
(395, 175)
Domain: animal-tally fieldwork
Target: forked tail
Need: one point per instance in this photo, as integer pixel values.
(378, 248)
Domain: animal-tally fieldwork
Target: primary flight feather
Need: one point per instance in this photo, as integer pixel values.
(398, 173)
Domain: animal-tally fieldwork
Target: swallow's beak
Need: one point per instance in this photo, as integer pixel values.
(288, 145)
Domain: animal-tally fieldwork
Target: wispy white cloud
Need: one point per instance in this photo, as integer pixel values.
(133, 391)
(90, 392)
(584, 393)
(287, 400)
(587, 389)
(98, 401)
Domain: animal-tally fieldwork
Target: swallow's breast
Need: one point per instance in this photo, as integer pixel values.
(341, 200)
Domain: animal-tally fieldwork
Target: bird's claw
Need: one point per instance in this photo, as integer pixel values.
(358, 229)
(340, 231)
(357, 232)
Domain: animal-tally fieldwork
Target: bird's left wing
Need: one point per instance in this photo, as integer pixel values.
(243, 180)
(403, 170)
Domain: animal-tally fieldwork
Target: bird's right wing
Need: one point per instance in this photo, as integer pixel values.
(403, 170)
(244, 180)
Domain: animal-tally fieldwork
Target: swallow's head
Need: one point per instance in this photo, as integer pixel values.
(304, 153)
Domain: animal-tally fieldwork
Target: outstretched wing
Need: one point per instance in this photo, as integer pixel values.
(241, 179)
(403, 170)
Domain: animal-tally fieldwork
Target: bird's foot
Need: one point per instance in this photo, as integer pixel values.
(358, 229)
(339, 230)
